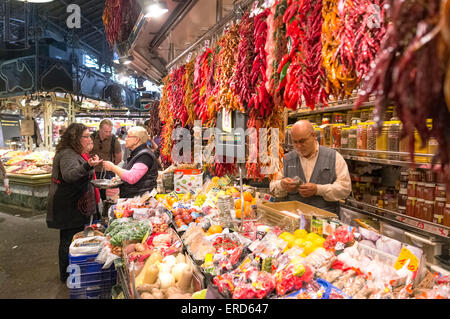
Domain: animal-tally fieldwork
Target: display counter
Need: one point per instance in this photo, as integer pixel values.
(28, 193)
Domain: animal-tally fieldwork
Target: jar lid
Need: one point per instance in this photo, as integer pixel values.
(420, 199)
(429, 202)
(447, 205)
(421, 183)
(412, 182)
(411, 198)
(403, 191)
(404, 173)
(440, 199)
(414, 172)
(430, 185)
(402, 207)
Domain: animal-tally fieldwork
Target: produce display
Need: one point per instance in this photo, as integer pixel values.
(207, 255)
(27, 162)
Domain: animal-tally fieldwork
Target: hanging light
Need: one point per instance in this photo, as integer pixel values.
(154, 8)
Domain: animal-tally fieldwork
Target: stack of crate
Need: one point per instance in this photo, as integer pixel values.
(87, 279)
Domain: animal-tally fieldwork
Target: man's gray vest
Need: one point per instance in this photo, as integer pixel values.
(324, 173)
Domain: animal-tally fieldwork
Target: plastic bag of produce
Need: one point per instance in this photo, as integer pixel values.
(86, 246)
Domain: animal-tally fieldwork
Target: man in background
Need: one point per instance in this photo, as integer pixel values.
(107, 147)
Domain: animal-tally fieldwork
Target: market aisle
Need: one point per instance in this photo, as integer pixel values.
(28, 259)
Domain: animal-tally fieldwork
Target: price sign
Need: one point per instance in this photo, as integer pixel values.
(403, 257)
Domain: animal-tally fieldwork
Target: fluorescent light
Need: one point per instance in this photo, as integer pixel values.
(156, 9)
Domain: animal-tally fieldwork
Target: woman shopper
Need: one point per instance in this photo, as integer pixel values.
(140, 170)
(72, 199)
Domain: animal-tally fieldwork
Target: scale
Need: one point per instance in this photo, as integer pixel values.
(230, 143)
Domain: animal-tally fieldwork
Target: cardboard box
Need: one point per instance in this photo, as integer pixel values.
(293, 215)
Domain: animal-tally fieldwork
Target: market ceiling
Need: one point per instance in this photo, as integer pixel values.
(153, 43)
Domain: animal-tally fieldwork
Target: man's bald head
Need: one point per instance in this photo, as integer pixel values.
(303, 137)
(302, 127)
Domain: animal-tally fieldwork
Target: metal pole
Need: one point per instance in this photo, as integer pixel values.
(219, 7)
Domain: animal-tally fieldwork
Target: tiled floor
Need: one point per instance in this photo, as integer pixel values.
(29, 259)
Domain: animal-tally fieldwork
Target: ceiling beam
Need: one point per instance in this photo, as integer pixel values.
(178, 14)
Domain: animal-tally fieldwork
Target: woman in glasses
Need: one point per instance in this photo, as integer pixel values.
(72, 199)
(140, 170)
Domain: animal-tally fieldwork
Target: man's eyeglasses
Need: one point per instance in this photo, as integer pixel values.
(303, 140)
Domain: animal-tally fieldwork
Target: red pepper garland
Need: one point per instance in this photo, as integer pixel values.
(176, 95)
(202, 69)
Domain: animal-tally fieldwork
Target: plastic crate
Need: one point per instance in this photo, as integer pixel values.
(82, 259)
(106, 276)
(92, 292)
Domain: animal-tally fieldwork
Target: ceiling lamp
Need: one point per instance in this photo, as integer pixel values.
(155, 8)
(36, 1)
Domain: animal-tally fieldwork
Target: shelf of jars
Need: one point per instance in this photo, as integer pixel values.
(418, 224)
(421, 160)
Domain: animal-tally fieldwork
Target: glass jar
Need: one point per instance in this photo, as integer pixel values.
(382, 140)
(402, 197)
(401, 210)
(428, 207)
(430, 176)
(336, 135)
(318, 134)
(361, 137)
(352, 139)
(355, 121)
(446, 219)
(420, 189)
(371, 138)
(418, 149)
(415, 176)
(404, 176)
(411, 190)
(439, 209)
(394, 139)
(429, 190)
(338, 118)
(410, 206)
(432, 145)
(344, 138)
(441, 190)
(418, 211)
(325, 135)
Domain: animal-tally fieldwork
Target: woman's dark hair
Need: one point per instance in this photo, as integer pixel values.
(71, 138)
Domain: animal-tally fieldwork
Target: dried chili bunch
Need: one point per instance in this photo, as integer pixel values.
(203, 65)
(176, 95)
(245, 56)
(409, 74)
(112, 19)
(188, 84)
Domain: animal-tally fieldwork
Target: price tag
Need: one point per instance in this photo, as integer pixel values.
(208, 258)
(403, 257)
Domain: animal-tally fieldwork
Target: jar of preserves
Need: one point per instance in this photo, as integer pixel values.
(338, 118)
(432, 145)
(420, 189)
(325, 135)
(427, 210)
(371, 138)
(441, 190)
(411, 190)
(430, 176)
(326, 119)
(401, 210)
(318, 135)
(402, 197)
(429, 190)
(344, 138)
(361, 137)
(418, 149)
(382, 140)
(404, 176)
(336, 135)
(410, 206)
(355, 121)
(352, 139)
(439, 209)
(348, 118)
(394, 139)
(418, 211)
(415, 176)
(446, 219)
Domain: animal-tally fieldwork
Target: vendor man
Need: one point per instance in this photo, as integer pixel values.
(323, 170)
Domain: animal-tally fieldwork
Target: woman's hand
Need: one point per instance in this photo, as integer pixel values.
(94, 161)
(107, 165)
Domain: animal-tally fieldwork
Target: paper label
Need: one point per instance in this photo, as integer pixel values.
(403, 257)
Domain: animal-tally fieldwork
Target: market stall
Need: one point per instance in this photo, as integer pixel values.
(200, 246)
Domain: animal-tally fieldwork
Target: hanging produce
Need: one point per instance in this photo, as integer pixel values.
(245, 56)
(226, 61)
(202, 70)
(112, 19)
(176, 96)
(409, 74)
(370, 15)
(260, 100)
(305, 75)
(188, 84)
(338, 37)
(155, 122)
(276, 48)
(167, 121)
